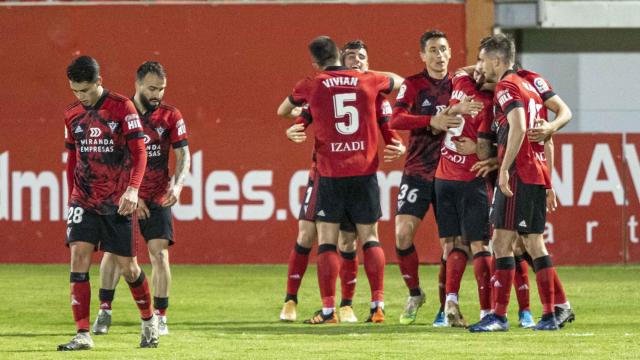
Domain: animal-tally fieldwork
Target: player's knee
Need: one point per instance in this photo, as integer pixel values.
(159, 258)
(347, 244)
(478, 247)
(404, 235)
(306, 236)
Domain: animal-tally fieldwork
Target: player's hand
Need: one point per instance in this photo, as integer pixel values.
(541, 132)
(503, 182)
(172, 196)
(142, 211)
(128, 201)
(296, 133)
(552, 202)
(465, 146)
(469, 107)
(485, 167)
(394, 151)
(445, 120)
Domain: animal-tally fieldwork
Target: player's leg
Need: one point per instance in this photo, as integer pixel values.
(299, 255)
(120, 241)
(374, 262)
(109, 277)
(503, 216)
(441, 319)
(456, 265)
(161, 280)
(476, 229)
(329, 211)
(83, 237)
(521, 285)
(157, 231)
(348, 270)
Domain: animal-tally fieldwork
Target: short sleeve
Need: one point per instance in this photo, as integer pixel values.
(178, 130)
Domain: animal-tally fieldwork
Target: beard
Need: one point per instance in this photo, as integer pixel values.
(146, 102)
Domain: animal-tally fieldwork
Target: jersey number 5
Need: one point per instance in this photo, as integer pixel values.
(341, 110)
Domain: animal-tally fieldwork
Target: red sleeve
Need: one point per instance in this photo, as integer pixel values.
(509, 96)
(384, 83)
(304, 118)
(299, 94)
(135, 141)
(178, 131)
(383, 114)
(71, 168)
(401, 119)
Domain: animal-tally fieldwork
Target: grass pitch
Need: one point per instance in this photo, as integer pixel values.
(231, 312)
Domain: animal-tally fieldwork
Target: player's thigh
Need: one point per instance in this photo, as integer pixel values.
(475, 211)
(362, 203)
(159, 224)
(448, 195)
(330, 201)
(406, 228)
(531, 208)
(118, 235)
(83, 227)
(367, 232)
(328, 233)
(414, 196)
(503, 242)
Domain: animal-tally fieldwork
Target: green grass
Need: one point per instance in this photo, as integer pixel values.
(231, 312)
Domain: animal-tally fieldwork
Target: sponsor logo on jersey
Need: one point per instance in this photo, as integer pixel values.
(112, 125)
(426, 103)
(133, 121)
(504, 97)
(386, 108)
(182, 128)
(401, 92)
(78, 129)
(160, 131)
(440, 108)
(147, 139)
(95, 132)
(458, 95)
(541, 85)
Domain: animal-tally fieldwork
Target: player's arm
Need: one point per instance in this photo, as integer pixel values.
(397, 79)
(129, 200)
(517, 128)
(549, 153)
(288, 110)
(183, 165)
(545, 129)
(71, 159)
(296, 132)
(394, 148)
(402, 119)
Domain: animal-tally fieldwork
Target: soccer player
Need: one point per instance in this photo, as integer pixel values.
(520, 205)
(354, 55)
(421, 106)
(342, 104)
(462, 197)
(164, 128)
(100, 128)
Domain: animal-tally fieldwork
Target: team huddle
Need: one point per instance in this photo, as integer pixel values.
(117, 166)
(480, 153)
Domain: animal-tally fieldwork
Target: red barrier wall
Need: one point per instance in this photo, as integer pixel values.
(229, 67)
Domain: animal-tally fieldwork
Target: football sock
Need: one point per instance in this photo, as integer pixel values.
(545, 280)
(160, 304)
(80, 300)
(482, 272)
(328, 268)
(442, 283)
(559, 295)
(298, 261)
(141, 295)
(345, 302)
(348, 274)
(375, 304)
(106, 298)
(494, 294)
(521, 283)
(505, 269)
(374, 261)
(408, 261)
(456, 264)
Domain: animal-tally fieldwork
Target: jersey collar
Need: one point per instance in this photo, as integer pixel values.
(100, 101)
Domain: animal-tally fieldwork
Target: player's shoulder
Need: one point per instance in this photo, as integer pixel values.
(415, 78)
(73, 108)
(118, 98)
(169, 108)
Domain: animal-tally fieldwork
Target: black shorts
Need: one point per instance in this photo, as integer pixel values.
(463, 209)
(354, 198)
(110, 233)
(414, 196)
(524, 212)
(307, 210)
(159, 225)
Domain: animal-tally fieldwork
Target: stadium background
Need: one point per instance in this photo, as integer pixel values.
(229, 66)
